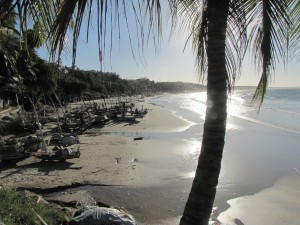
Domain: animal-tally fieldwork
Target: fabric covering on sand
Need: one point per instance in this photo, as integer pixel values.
(94, 215)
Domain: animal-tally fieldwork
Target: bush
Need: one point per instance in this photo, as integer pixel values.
(22, 207)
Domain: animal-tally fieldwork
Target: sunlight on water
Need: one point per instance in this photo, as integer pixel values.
(280, 109)
(196, 102)
(188, 175)
(235, 108)
(235, 105)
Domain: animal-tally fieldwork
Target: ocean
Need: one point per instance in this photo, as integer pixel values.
(261, 146)
(280, 109)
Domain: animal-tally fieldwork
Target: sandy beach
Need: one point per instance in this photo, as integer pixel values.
(151, 178)
(108, 159)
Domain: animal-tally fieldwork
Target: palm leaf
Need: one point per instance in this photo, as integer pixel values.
(195, 19)
(294, 7)
(268, 38)
(108, 13)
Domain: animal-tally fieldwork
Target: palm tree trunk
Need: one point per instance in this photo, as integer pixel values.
(201, 198)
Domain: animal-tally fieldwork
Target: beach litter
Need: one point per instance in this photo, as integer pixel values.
(138, 138)
(102, 215)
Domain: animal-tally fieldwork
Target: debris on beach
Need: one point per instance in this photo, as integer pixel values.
(86, 210)
(138, 138)
(102, 215)
(118, 159)
(133, 160)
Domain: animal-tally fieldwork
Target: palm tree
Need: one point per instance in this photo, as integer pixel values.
(219, 33)
(221, 41)
(202, 195)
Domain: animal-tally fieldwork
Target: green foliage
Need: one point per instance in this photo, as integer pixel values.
(20, 207)
(7, 17)
(75, 82)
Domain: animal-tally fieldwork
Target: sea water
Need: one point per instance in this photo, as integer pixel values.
(280, 108)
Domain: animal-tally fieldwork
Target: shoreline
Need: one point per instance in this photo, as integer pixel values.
(277, 203)
(151, 178)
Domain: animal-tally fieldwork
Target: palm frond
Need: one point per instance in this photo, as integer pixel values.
(294, 9)
(147, 16)
(7, 14)
(61, 25)
(269, 38)
(194, 18)
(236, 40)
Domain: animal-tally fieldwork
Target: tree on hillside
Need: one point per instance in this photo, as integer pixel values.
(18, 58)
(218, 30)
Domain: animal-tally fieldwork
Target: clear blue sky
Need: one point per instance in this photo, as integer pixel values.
(170, 63)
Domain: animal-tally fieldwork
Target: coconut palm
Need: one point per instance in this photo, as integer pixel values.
(218, 30)
(221, 43)
(18, 41)
(10, 51)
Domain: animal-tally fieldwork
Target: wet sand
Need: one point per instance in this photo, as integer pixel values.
(278, 204)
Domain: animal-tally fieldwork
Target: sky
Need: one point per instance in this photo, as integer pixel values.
(169, 62)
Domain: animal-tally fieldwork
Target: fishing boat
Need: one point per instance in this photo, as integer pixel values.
(77, 121)
(63, 139)
(58, 153)
(12, 150)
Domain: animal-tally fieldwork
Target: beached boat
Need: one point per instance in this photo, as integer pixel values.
(65, 139)
(62, 146)
(32, 143)
(59, 153)
(99, 118)
(17, 149)
(77, 121)
(12, 150)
